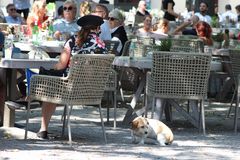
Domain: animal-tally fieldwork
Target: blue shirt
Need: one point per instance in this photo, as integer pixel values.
(11, 20)
(1, 41)
(65, 27)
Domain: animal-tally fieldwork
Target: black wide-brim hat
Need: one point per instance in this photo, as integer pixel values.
(90, 20)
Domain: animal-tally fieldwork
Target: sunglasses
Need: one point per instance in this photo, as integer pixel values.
(112, 19)
(68, 8)
(12, 9)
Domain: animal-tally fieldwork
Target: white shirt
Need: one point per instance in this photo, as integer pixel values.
(117, 39)
(105, 31)
(229, 14)
(22, 4)
(205, 18)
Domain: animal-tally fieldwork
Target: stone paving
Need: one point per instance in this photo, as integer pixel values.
(219, 143)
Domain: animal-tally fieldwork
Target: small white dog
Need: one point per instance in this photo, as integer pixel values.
(151, 128)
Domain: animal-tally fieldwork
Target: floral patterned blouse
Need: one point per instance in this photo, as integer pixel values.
(93, 45)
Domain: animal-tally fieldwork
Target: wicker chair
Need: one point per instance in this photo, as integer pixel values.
(235, 63)
(84, 85)
(112, 46)
(178, 75)
(112, 83)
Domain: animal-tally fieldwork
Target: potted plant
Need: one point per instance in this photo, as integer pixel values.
(218, 39)
(163, 45)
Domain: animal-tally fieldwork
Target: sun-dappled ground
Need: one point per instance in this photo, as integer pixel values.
(220, 141)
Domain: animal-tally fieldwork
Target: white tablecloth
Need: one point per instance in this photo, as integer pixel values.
(47, 46)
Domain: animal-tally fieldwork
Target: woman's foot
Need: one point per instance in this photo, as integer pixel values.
(42, 135)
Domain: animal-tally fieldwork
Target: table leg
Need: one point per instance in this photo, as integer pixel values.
(2, 93)
(8, 90)
(129, 115)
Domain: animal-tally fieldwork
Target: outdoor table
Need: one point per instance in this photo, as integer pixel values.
(9, 76)
(51, 47)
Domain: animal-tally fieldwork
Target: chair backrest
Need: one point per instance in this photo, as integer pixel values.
(87, 77)
(179, 75)
(187, 45)
(235, 61)
(111, 46)
(125, 51)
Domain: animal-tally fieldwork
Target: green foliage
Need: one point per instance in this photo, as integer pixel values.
(218, 37)
(215, 22)
(164, 45)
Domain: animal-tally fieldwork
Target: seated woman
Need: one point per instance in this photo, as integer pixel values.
(162, 29)
(85, 42)
(146, 30)
(204, 32)
(38, 15)
(118, 33)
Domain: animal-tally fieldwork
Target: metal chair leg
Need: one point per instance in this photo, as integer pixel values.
(115, 109)
(202, 112)
(64, 120)
(236, 107)
(232, 101)
(103, 128)
(146, 106)
(27, 118)
(69, 110)
(153, 106)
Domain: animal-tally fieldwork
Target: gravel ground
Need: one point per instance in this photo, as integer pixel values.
(219, 143)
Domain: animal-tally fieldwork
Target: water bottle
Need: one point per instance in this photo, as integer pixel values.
(132, 49)
(50, 32)
(8, 46)
(35, 32)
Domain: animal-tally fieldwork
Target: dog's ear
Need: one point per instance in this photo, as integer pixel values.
(134, 124)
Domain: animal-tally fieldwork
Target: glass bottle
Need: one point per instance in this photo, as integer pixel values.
(35, 32)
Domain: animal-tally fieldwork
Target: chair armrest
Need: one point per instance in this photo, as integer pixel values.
(48, 88)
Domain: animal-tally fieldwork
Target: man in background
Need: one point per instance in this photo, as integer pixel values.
(102, 11)
(141, 12)
(202, 15)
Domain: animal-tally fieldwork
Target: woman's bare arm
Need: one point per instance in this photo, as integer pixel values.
(63, 60)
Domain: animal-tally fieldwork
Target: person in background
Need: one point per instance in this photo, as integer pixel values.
(65, 27)
(217, 14)
(238, 13)
(2, 17)
(189, 11)
(102, 11)
(182, 28)
(228, 16)
(13, 17)
(141, 12)
(85, 42)
(169, 14)
(204, 32)
(118, 32)
(22, 6)
(84, 8)
(162, 29)
(202, 15)
(2, 38)
(146, 30)
(60, 12)
(38, 15)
